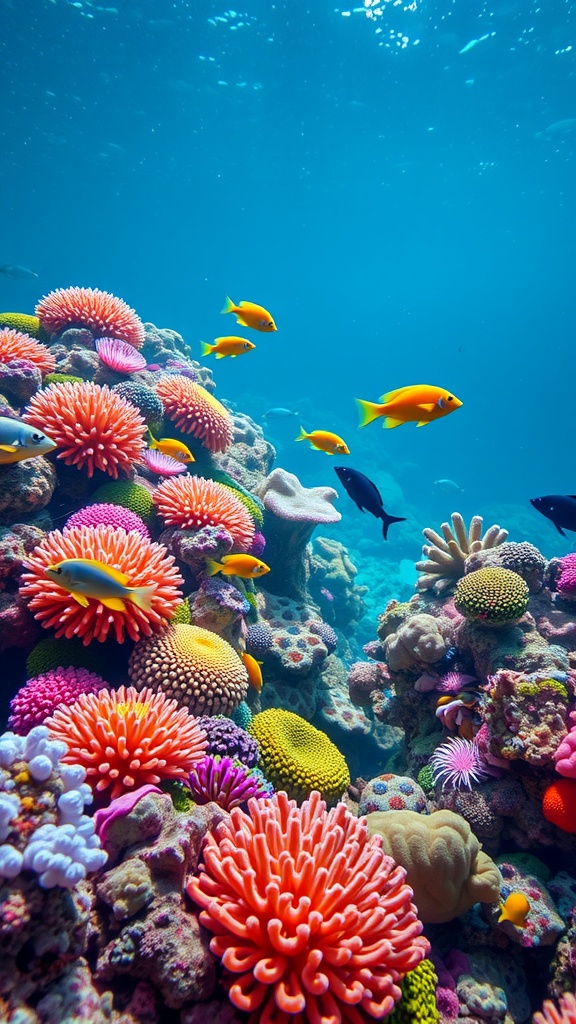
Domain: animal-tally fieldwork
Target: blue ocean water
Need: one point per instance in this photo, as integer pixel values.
(394, 181)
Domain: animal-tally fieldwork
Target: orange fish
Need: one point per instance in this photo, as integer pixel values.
(250, 315)
(245, 566)
(420, 403)
(515, 909)
(253, 669)
(324, 441)
(227, 347)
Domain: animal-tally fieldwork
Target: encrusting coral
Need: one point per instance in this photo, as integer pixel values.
(101, 312)
(311, 919)
(444, 556)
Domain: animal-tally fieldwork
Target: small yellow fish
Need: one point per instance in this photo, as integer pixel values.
(254, 673)
(229, 346)
(175, 449)
(86, 578)
(515, 909)
(420, 403)
(250, 315)
(324, 441)
(19, 441)
(245, 566)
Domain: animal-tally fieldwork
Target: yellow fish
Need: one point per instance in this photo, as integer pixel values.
(245, 566)
(19, 441)
(175, 449)
(515, 909)
(324, 441)
(86, 578)
(250, 315)
(253, 669)
(420, 403)
(229, 346)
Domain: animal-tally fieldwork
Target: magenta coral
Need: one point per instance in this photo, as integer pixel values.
(105, 514)
(311, 919)
(228, 783)
(565, 754)
(119, 355)
(566, 582)
(40, 696)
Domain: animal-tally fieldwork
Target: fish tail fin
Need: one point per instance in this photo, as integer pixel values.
(367, 412)
(142, 597)
(229, 306)
(388, 520)
(302, 435)
(206, 348)
(213, 567)
(153, 443)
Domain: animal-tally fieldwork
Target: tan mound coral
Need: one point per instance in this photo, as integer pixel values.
(444, 861)
(444, 557)
(421, 640)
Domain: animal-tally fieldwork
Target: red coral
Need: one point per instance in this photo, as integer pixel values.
(101, 312)
(16, 345)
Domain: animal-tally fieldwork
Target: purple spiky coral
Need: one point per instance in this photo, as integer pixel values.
(457, 763)
(228, 783)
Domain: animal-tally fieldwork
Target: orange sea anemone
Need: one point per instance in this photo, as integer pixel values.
(94, 427)
(313, 922)
(191, 502)
(101, 312)
(16, 345)
(195, 411)
(125, 739)
(144, 563)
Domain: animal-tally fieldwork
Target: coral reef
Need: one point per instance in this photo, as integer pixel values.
(522, 558)
(445, 556)
(249, 457)
(226, 738)
(525, 716)
(107, 514)
(25, 488)
(101, 312)
(227, 782)
(193, 503)
(15, 345)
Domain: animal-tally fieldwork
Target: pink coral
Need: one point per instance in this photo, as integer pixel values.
(105, 514)
(40, 696)
(566, 582)
(101, 312)
(14, 345)
(119, 355)
(565, 754)
(311, 919)
(564, 1013)
(195, 411)
(192, 502)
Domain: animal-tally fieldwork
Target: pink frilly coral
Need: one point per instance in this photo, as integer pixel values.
(566, 582)
(565, 754)
(105, 514)
(41, 695)
(311, 919)
(119, 355)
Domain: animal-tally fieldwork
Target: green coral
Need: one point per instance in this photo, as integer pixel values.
(25, 323)
(51, 653)
(61, 378)
(534, 689)
(131, 496)
(183, 613)
(425, 778)
(179, 794)
(492, 595)
(418, 1002)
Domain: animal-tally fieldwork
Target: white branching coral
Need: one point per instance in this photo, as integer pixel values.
(443, 562)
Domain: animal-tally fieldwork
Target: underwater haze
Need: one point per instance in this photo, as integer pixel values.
(394, 181)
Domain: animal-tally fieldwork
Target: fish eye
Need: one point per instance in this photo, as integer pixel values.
(37, 437)
(450, 398)
(58, 571)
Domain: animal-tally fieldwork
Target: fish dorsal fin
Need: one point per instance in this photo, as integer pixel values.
(120, 577)
(394, 394)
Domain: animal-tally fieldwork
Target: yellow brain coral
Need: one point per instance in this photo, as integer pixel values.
(492, 595)
(298, 758)
(193, 665)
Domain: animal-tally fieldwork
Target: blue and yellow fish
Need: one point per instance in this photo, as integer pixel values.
(86, 578)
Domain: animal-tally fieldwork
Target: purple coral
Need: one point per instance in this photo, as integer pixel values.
(457, 763)
(227, 739)
(228, 783)
(325, 632)
(40, 696)
(566, 582)
(109, 515)
(259, 638)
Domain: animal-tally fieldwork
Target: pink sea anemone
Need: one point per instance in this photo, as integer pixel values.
(162, 464)
(16, 345)
(94, 427)
(119, 355)
(457, 763)
(105, 514)
(101, 312)
(146, 564)
(40, 696)
(125, 739)
(195, 411)
(311, 919)
(192, 502)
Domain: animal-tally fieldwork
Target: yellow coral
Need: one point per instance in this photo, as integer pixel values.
(418, 1002)
(492, 595)
(23, 322)
(298, 758)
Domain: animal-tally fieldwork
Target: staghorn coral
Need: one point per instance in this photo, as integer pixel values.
(195, 411)
(331, 926)
(444, 557)
(125, 739)
(192, 503)
(227, 782)
(297, 757)
(101, 312)
(16, 345)
(41, 695)
(144, 563)
(445, 865)
(197, 667)
(525, 716)
(95, 428)
(492, 596)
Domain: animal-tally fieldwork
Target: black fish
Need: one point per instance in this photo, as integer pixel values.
(560, 509)
(16, 272)
(366, 496)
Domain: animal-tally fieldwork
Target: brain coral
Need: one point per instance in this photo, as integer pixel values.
(494, 596)
(146, 564)
(197, 667)
(40, 696)
(298, 758)
(312, 921)
(107, 514)
(15, 345)
(522, 558)
(195, 411)
(145, 400)
(191, 502)
(445, 864)
(125, 739)
(95, 428)
(101, 312)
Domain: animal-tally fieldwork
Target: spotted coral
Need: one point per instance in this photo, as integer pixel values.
(144, 563)
(95, 428)
(444, 557)
(559, 804)
(195, 411)
(197, 667)
(40, 696)
(16, 345)
(193, 502)
(103, 313)
(297, 757)
(312, 921)
(494, 596)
